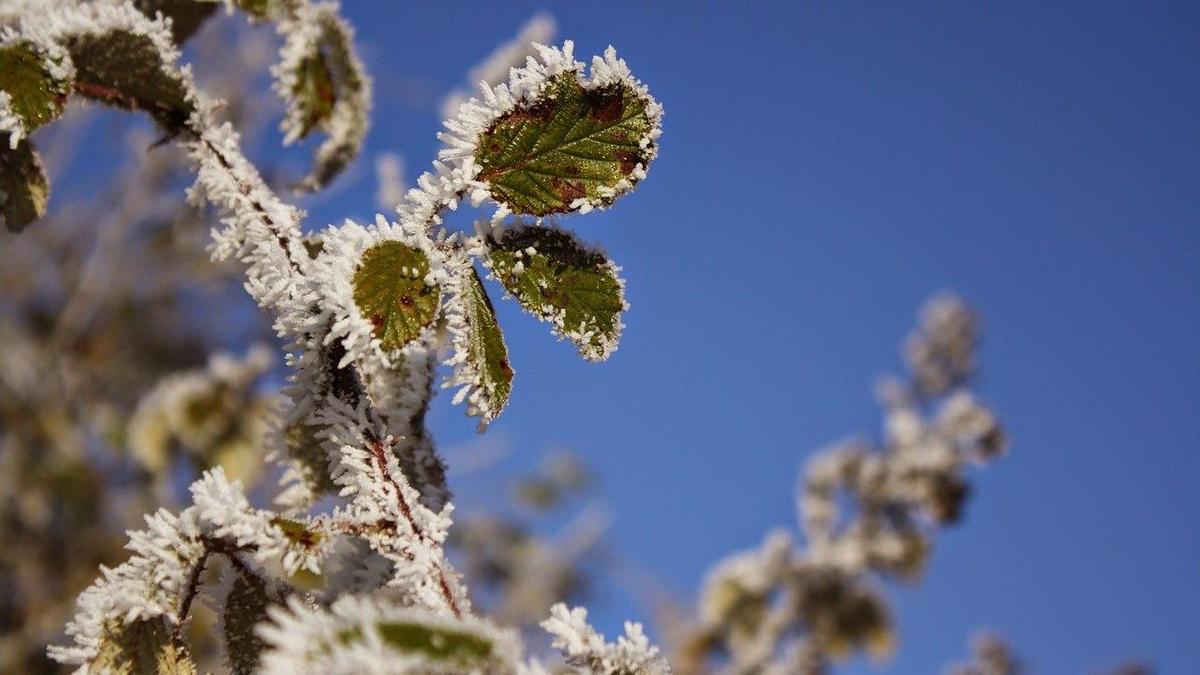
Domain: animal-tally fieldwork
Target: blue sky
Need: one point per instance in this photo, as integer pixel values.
(825, 168)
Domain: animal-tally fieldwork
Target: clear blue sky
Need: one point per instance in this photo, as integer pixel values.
(824, 169)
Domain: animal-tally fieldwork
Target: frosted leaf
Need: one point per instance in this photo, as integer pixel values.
(480, 355)
(323, 83)
(312, 94)
(140, 648)
(570, 145)
(130, 70)
(24, 188)
(390, 290)
(551, 141)
(562, 281)
(245, 606)
(34, 96)
(356, 635)
(435, 643)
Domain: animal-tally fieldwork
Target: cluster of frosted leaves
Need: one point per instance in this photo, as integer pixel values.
(129, 621)
(548, 271)
(129, 617)
(547, 141)
(570, 146)
(32, 94)
(392, 286)
(108, 52)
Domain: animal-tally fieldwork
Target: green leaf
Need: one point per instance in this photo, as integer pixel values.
(24, 188)
(245, 607)
(572, 143)
(313, 94)
(141, 648)
(35, 96)
(127, 70)
(486, 349)
(559, 280)
(390, 291)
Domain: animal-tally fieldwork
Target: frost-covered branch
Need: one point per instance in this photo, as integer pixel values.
(363, 309)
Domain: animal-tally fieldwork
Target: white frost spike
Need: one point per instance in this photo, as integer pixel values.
(585, 648)
(9, 122)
